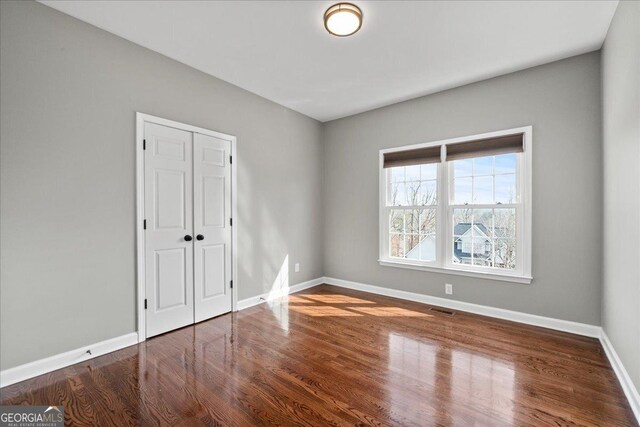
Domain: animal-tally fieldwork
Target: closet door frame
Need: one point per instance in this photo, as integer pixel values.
(141, 119)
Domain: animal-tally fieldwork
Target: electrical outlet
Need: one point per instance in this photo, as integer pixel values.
(297, 267)
(448, 288)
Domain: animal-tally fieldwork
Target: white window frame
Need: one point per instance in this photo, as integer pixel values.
(444, 218)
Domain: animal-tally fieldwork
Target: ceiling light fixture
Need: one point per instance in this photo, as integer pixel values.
(343, 19)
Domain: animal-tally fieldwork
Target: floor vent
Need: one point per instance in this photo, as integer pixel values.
(443, 311)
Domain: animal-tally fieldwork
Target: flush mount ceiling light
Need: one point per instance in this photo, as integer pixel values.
(343, 19)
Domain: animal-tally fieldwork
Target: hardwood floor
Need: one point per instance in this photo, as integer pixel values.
(330, 356)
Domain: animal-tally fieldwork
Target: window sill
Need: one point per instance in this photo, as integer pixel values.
(459, 272)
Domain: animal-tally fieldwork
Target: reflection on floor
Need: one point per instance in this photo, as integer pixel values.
(329, 356)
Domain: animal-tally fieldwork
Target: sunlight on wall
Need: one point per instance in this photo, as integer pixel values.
(280, 285)
(277, 299)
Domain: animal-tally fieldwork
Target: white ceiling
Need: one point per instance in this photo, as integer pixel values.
(281, 51)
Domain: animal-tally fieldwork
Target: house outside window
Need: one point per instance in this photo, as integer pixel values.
(461, 206)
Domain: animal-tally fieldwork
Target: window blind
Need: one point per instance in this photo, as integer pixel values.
(418, 156)
(462, 150)
(486, 147)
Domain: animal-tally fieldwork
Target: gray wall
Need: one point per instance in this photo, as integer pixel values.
(562, 102)
(69, 93)
(621, 138)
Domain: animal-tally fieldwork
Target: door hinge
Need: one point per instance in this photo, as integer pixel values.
(144, 144)
(145, 303)
(144, 225)
(231, 222)
(231, 283)
(230, 159)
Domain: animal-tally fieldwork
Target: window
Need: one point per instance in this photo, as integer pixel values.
(460, 206)
(412, 200)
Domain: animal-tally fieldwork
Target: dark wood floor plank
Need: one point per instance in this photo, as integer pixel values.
(331, 356)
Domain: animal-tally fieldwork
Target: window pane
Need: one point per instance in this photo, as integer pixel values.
(458, 257)
(505, 253)
(462, 168)
(412, 173)
(482, 248)
(413, 193)
(462, 222)
(483, 189)
(482, 233)
(428, 247)
(483, 222)
(428, 221)
(412, 221)
(420, 247)
(427, 193)
(412, 234)
(506, 188)
(485, 180)
(506, 163)
(484, 237)
(397, 174)
(412, 246)
(413, 185)
(464, 219)
(398, 195)
(396, 245)
(505, 223)
(429, 171)
(483, 166)
(396, 221)
(462, 191)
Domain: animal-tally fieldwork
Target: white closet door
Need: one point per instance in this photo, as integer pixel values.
(212, 214)
(169, 224)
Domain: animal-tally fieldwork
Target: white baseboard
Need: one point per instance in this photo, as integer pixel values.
(623, 376)
(58, 361)
(628, 387)
(515, 316)
(42, 366)
(268, 296)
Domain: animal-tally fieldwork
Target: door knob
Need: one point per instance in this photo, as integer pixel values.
(200, 237)
(188, 238)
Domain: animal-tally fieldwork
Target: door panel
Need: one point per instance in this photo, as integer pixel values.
(169, 218)
(213, 206)
(212, 212)
(171, 278)
(169, 203)
(213, 156)
(171, 149)
(213, 274)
